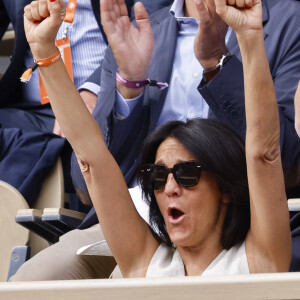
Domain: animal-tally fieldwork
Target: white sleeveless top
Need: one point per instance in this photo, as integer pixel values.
(166, 262)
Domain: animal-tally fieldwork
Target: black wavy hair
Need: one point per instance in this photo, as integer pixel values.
(222, 152)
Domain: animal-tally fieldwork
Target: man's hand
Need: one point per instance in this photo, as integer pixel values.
(42, 20)
(89, 99)
(132, 47)
(57, 130)
(209, 45)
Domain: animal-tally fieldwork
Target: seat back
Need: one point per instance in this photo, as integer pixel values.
(52, 195)
(12, 234)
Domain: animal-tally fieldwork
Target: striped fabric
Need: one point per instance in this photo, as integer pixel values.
(87, 46)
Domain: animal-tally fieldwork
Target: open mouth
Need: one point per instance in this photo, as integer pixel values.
(175, 214)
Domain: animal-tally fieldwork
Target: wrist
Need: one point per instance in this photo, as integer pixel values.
(133, 76)
(249, 38)
(251, 46)
(128, 93)
(210, 63)
(44, 62)
(135, 88)
(42, 51)
(211, 58)
(209, 74)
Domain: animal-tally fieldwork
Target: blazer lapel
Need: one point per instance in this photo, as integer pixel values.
(165, 35)
(96, 11)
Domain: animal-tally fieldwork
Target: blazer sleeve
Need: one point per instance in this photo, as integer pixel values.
(95, 77)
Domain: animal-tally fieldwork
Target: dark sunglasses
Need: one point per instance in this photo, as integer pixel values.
(186, 174)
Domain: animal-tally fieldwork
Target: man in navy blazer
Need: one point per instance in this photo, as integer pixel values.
(223, 93)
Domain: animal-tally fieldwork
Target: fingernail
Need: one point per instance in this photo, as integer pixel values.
(52, 0)
(197, 1)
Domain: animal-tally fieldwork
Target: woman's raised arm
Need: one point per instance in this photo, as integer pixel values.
(117, 214)
(268, 242)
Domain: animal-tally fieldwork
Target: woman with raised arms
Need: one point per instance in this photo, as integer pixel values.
(194, 175)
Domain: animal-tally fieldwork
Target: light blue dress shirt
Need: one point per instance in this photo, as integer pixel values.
(183, 101)
(87, 49)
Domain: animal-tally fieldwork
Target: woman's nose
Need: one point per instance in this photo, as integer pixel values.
(172, 188)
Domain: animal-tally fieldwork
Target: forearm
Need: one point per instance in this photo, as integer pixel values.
(269, 232)
(262, 117)
(70, 110)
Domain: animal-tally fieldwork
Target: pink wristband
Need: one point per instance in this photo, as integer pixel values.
(138, 84)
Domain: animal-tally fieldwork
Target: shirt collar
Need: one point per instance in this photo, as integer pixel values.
(177, 9)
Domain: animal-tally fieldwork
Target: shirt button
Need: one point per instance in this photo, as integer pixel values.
(196, 74)
(234, 114)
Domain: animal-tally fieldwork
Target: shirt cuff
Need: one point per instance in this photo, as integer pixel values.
(90, 86)
(124, 107)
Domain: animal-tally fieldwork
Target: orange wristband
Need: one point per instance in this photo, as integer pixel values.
(40, 63)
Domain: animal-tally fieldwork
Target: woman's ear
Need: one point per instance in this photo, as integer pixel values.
(224, 194)
(225, 198)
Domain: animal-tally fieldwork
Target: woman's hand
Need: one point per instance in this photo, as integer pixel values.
(132, 47)
(241, 15)
(42, 20)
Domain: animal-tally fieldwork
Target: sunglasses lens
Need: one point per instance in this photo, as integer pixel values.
(159, 177)
(154, 176)
(187, 174)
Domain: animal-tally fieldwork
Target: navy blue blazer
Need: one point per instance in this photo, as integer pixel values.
(224, 94)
